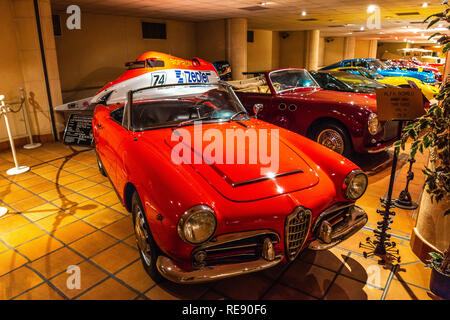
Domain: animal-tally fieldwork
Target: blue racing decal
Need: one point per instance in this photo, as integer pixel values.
(187, 76)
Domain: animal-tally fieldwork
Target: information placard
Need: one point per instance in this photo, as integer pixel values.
(399, 104)
(78, 130)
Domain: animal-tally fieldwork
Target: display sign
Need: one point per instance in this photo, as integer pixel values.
(399, 104)
(79, 130)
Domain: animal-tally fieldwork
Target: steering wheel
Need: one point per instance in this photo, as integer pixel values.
(276, 86)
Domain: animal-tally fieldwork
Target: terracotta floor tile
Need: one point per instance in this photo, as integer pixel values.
(366, 270)
(308, 278)
(281, 292)
(41, 212)
(136, 277)
(14, 196)
(70, 201)
(108, 199)
(211, 295)
(414, 273)
(39, 247)
(95, 191)
(88, 172)
(42, 292)
(56, 262)
(332, 259)
(21, 235)
(275, 272)
(247, 287)
(3, 247)
(73, 231)
(11, 222)
(131, 240)
(403, 291)
(55, 193)
(18, 281)
(86, 208)
(90, 275)
(69, 179)
(120, 229)
(103, 218)
(43, 187)
(116, 257)
(345, 288)
(109, 290)
(55, 221)
(28, 203)
(80, 185)
(120, 208)
(93, 243)
(353, 242)
(36, 180)
(172, 291)
(10, 260)
(98, 178)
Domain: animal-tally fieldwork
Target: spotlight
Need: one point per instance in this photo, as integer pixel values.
(303, 13)
(362, 28)
(424, 5)
(371, 8)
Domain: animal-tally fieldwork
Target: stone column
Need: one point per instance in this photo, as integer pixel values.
(312, 49)
(373, 47)
(236, 46)
(32, 67)
(349, 47)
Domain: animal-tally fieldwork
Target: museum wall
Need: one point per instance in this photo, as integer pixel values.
(96, 54)
(388, 50)
(362, 49)
(259, 52)
(292, 49)
(333, 50)
(21, 66)
(211, 40)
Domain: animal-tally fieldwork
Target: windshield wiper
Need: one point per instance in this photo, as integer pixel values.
(184, 123)
(236, 114)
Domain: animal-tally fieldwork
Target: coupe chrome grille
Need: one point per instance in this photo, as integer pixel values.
(390, 130)
(296, 231)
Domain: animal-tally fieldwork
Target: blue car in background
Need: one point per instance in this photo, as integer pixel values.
(383, 69)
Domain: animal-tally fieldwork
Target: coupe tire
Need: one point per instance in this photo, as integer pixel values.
(148, 249)
(334, 137)
(100, 167)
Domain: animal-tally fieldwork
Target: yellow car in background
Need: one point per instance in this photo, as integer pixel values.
(429, 91)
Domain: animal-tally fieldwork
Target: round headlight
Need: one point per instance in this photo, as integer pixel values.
(355, 184)
(197, 225)
(373, 124)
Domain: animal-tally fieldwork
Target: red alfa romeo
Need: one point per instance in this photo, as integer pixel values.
(199, 218)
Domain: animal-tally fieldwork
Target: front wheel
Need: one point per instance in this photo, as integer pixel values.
(148, 250)
(334, 137)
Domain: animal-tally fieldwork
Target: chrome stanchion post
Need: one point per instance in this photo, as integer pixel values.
(30, 145)
(17, 169)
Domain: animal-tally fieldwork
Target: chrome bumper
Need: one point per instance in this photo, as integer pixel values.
(356, 219)
(169, 270)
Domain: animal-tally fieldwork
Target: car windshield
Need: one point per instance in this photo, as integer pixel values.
(369, 74)
(289, 79)
(329, 82)
(178, 105)
(377, 64)
(358, 83)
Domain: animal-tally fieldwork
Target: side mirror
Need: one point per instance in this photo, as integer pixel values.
(257, 108)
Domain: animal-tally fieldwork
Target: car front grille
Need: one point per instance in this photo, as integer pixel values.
(390, 130)
(296, 231)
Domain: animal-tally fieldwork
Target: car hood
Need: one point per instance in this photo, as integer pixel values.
(358, 100)
(245, 182)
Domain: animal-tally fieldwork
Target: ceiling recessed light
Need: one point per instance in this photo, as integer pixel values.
(424, 5)
(371, 8)
(362, 28)
(303, 13)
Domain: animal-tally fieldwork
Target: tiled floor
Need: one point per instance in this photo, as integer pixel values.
(64, 213)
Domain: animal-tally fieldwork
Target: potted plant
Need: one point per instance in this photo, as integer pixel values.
(432, 132)
(440, 279)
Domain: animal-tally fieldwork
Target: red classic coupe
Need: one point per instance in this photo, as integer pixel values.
(345, 122)
(200, 219)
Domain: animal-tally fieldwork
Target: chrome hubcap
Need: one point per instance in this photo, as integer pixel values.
(142, 237)
(332, 140)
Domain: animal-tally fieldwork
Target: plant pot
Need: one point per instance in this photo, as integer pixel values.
(440, 284)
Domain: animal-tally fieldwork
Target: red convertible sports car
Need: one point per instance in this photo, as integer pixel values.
(345, 122)
(198, 217)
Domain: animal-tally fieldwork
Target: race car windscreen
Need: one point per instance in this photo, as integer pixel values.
(358, 83)
(181, 105)
(329, 82)
(290, 79)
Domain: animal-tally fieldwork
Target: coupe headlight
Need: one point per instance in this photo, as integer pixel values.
(197, 225)
(373, 124)
(355, 184)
